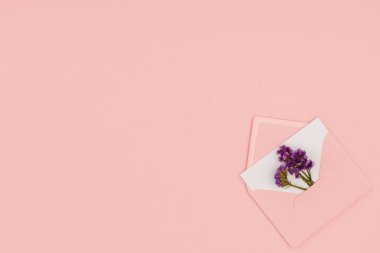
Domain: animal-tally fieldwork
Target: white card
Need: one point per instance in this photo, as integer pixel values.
(260, 176)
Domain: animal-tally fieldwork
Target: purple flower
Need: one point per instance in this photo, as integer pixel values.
(309, 164)
(281, 176)
(284, 153)
(296, 163)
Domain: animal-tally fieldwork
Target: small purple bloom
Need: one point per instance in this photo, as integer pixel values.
(281, 176)
(284, 153)
(309, 164)
(296, 163)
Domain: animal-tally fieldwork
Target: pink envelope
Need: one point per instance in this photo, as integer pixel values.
(298, 215)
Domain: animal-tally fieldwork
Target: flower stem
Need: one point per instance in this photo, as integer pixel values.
(306, 177)
(299, 187)
(308, 172)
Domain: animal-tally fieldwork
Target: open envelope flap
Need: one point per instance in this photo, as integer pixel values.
(267, 134)
(340, 184)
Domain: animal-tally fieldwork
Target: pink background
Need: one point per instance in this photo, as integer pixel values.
(124, 126)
